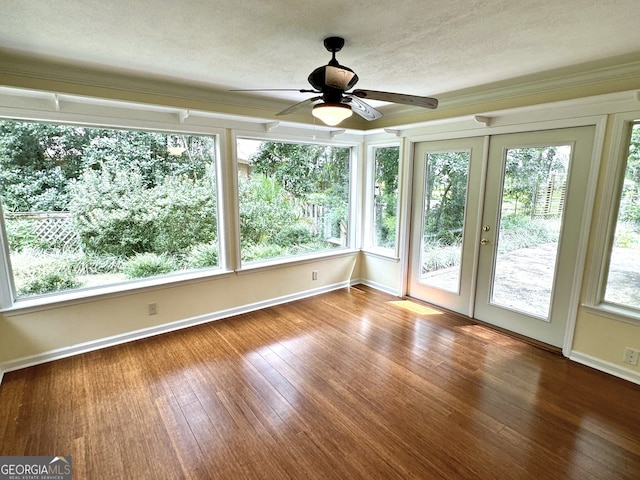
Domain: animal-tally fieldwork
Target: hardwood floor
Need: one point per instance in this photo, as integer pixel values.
(346, 385)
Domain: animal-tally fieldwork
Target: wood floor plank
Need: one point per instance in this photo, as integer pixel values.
(397, 427)
(351, 384)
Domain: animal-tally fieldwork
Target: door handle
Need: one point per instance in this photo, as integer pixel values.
(484, 241)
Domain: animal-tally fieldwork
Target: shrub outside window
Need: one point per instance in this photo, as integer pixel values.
(87, 207)
(293, 198)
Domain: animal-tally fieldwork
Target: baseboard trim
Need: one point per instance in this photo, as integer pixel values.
(606, 367)
(57, 354)
(377, 286)
(78, 349)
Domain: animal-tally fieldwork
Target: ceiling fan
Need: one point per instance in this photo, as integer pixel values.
(336, 103)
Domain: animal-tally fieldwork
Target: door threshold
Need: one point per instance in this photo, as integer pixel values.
(473, 321)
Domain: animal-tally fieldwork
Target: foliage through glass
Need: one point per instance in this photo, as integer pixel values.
(86, 207)
(444, 206)
(385, 194)
(294, 198)
(623, 276)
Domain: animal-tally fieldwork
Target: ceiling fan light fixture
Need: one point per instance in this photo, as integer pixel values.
(332, 113)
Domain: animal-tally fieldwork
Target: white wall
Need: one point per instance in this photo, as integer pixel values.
(56, 331)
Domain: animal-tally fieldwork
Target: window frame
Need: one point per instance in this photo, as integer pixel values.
(607, 221)
(369, 201)
(353, 206)
(9, 302)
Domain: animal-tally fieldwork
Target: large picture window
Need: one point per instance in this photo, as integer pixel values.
(293, 198)
(86, 207)
(623, 276)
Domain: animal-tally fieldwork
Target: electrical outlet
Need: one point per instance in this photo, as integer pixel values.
(153, 308)
(631, 356)
(314, 275)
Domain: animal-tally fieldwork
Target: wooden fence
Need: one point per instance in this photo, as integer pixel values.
(549, 198)
(53, 228)
(322, 226)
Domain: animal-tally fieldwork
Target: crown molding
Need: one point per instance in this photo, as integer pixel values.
(33, 71)
(613, 72)
(36, 73)
(561, 79)
(616, 74)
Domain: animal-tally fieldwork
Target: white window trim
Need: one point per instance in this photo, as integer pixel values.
(75, 297)
(6, 275)
(606, 223)
(356, 167)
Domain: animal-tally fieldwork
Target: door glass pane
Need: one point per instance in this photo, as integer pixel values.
(444, 209)
(533, 198)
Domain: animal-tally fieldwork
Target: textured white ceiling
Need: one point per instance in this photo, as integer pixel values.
(422, 47)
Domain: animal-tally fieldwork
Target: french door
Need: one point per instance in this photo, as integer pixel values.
(447, 183)
(496, 224)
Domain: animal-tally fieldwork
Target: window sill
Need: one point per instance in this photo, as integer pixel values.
(74, 297)
(294, 260)
(614, 312)
(383, 254)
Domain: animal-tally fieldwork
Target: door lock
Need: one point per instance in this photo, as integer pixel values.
(486, 228)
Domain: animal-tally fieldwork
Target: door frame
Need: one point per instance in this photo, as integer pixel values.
(482, 126)
(477, 148)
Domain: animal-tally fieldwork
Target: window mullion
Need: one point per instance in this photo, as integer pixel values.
(6, 278)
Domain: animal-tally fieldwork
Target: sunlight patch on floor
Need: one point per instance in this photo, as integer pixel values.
(415, 307)
(488, 334)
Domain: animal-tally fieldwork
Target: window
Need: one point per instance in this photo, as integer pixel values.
(445, 202)
(293, 198)
(385, 197)
(87, 207)
(623, 274)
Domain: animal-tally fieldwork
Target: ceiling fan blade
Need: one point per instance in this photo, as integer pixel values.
(363, 109)
(426, 102)
(275, 90)
(339, 77)
(298, 106)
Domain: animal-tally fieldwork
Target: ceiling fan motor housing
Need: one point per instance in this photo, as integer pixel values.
(334, 44)
(318, 78)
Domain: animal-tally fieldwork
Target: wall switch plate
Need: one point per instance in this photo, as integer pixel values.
(153, 308)
(631, 356)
